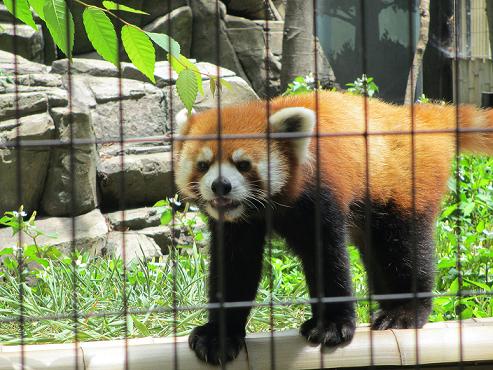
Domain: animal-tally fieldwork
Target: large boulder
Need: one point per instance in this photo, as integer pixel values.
(27, 42)
(158, 8)
(253, 9)
(12, 64)
(179, 22)
(23, 171)
(86, 232)
(135, 179)
(249, 44)
(131, 246)
(128, 107)
(22, 104)
(70, 188)
(208, 29)
(240, 92)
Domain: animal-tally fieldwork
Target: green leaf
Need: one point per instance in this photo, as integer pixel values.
(141, 327)
(55, 12)
(212, 85)
(180, 63)
(140, 50)
(187, 88)
(22, 11)
(165, 42)
(37, 5)
(166, 217)
(225, 84)
(101, 33)
(111, 5)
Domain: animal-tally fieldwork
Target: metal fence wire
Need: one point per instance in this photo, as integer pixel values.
(313, 223)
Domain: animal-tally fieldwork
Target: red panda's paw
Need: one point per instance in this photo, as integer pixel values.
(405, 316)
(329, 332)
(205, 342)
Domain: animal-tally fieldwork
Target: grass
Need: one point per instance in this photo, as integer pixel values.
(464, 234)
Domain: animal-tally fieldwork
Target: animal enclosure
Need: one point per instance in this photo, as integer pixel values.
(314, 175)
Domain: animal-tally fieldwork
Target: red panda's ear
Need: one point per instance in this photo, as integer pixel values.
(295, 120)
(181, 120)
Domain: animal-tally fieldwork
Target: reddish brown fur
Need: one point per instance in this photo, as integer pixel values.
(391, 168)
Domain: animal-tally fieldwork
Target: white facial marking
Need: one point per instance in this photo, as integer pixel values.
(205, 154)
(239, 155)
(183, 173)
(278, 172)
(239, 185)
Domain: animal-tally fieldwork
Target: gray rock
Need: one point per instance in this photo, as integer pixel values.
(35, 80)
(11, 65)
(249, 44)
(180, 21)
(157, 8)
(240, 92)
(87, 232)
(71, 185)
(275, 31)
(147, 178)
(22, 104)
(56, 97)
(133, 219)
(28, 42)
(32, 161)
(93, 67)
(252, 9)
(161, 236)
(106, 89)
(131, 246)
(204, 42)
(164, 78)
(81, 94)
(143, 113)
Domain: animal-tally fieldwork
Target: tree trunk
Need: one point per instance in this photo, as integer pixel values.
(298, 45)
(424, 28)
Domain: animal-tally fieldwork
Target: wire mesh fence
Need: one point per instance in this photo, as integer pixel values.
(304, 173)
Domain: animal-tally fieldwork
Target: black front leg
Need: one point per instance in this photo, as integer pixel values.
(326, 267)
(240, 265)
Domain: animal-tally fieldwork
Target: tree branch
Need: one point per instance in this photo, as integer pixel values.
(424, 28)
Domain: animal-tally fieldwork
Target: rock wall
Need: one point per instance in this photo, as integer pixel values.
(241, 35)
(76, 139)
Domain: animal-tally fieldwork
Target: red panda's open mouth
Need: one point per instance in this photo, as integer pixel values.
(224, 203)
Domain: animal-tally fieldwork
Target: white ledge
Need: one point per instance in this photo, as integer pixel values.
(438, 343)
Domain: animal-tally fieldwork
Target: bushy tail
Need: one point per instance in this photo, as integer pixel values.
(480, 123)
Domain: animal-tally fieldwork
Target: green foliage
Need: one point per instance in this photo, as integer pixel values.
(186, 88)
(140, 50)
(422, 99)
(301, 85)
(111, 5)
(101, 33)
(166, 43)
(60, 23)
(22, 11)
(103, 37)
(363, 85)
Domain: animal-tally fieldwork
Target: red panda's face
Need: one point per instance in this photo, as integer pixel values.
(234, 178)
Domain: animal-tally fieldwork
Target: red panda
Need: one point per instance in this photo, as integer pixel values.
(353, 168)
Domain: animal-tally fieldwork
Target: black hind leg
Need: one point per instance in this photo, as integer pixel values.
(400, 259)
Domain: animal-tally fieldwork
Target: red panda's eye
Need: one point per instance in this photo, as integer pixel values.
(243, 166)
(202, 166)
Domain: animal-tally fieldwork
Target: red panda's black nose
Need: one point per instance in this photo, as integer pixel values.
(221, 186)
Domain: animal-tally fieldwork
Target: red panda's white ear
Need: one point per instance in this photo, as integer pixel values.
(295, 120)
(181, 120)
